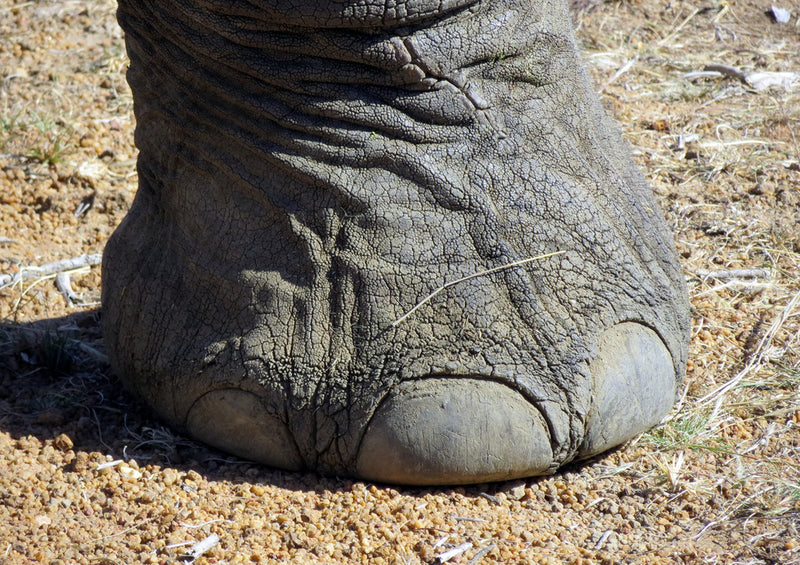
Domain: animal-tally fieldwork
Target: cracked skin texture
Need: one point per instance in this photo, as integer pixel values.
(309, 171)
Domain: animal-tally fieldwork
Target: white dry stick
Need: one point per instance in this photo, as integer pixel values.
(734, 274)
(108, 464)
(28, 273)
(201, 547)
(478, 556)
(692, 75)
(64, 286)
(447, 285)
(622, 70)
(455, 552)
(203, 524)
(602, 541)
(174, 545)
(706, 527)
(469, 519)
(766, 79)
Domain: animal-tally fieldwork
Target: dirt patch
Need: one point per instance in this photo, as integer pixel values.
(88, 475)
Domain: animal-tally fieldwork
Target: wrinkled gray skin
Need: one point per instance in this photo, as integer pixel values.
(312, 170)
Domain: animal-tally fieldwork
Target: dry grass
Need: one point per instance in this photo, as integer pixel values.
(723, 157)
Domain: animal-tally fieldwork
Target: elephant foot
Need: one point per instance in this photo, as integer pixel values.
(398, 241)
(436, 431)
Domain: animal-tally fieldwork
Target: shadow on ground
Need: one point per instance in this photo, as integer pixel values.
(55, 379)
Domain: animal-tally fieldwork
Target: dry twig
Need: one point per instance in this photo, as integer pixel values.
(468, 277)
(734, 274)
(728, 71)
(200, 548)
(481, 554)
(455, 552)
(28, 273)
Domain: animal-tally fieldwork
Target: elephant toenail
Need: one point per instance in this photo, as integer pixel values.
(454, 431)
(236, 421)
(633, 387)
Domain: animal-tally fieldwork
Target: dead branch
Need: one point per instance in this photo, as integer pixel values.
(728, 71)
(734, 274)
(201, 547)
(455, 552)
(64, 286)
(480, 555)
(29, 273)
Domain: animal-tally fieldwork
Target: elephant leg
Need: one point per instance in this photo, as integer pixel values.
(399, 241)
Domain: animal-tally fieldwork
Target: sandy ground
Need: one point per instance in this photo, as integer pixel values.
(88, 475)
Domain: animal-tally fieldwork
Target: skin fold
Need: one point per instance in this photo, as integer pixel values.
(310, 173)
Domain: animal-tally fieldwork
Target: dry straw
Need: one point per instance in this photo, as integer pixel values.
(449, 284)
